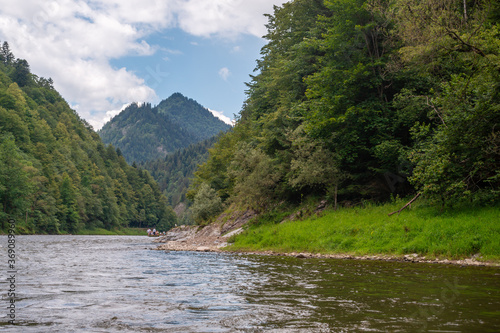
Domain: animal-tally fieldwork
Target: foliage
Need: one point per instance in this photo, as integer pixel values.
(255, 176)
(56, 175)
(457, 156)
(206, 204)
(367, 99)
(144, 133)
(15, 186)
(123, 232)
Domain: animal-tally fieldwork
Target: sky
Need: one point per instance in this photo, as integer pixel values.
(106, 54)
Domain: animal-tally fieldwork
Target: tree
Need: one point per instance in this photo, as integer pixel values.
(255, 176)
(206, 204)
(68, 210)
(56, 168)
(21, 74)
(166, 216)
(6, 55)
(314, 168)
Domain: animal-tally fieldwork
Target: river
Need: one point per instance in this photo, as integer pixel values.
(118, 284)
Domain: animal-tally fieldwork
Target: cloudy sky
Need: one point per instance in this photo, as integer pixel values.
(105, 54)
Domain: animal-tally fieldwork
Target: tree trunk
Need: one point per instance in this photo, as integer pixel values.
(465, 11)
(336, 188)
(408, 204)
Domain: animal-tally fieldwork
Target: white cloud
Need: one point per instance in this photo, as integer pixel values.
(73, 41)
(227, 18)
(224, 73)
(222, 117)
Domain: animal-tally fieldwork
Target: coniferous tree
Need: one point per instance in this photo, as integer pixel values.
(21, 74)
(6, 55)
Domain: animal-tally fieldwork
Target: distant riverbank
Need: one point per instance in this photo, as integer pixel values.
(100, 232)
(464, 236)
(118, 232)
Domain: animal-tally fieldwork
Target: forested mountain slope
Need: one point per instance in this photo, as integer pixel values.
(174, 172)
(363, 100)
(56, 175)
(145, 133)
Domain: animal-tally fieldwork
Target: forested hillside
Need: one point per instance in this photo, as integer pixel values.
(363, 100)
(145, 133)
(56, 175)
(174, 172)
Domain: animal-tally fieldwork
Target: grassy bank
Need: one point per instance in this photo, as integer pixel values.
(454, 234)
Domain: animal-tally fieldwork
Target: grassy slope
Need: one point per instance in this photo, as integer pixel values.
(424, 230)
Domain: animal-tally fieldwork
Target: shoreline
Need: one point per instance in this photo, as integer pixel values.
(218, 236)
(408, 258)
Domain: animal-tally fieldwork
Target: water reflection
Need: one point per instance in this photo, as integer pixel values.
(345, 295)
(111, 284)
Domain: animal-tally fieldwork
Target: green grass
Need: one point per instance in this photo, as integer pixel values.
(455, 233)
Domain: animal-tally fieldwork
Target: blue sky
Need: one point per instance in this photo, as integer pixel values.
(106, 54)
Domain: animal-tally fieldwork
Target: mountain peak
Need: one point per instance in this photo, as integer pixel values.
(144, 133)
(178, 98)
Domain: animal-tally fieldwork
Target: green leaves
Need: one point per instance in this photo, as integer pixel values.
(15, 185)
(313, 166)
(207, 204)
(255, 176)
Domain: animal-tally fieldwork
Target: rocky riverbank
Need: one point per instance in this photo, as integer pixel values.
(212, 237)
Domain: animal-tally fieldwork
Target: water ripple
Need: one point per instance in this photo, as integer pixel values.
(115, 284)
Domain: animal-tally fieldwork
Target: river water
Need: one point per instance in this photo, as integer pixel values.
(118, 284)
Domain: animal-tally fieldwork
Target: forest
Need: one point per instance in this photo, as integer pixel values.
(56, 175)
(365, 100)
(174, 172)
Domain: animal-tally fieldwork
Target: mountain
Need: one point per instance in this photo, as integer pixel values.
(145, 133)
(56, 175)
